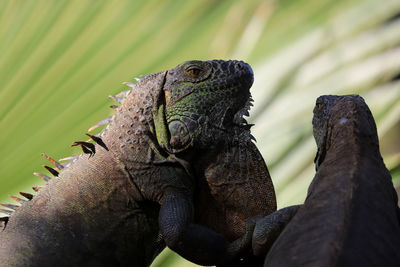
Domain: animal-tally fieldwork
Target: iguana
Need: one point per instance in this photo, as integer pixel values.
(175, 166)
(350, 216)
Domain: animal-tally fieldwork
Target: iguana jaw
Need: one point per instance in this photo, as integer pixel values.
(163, 128)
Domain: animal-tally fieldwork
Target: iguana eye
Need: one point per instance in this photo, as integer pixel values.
(319, 106)
(193, 71)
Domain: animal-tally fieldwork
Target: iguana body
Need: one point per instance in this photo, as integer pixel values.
(350, 216)
(120, 205)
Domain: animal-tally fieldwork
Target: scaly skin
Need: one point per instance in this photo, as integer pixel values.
(122, 204)
(350, 216)
(236, 188)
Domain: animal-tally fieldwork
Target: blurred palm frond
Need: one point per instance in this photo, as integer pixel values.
(60, 59)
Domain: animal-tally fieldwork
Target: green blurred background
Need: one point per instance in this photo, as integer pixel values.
(59, 60)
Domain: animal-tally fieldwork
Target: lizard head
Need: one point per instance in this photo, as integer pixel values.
(204, 99)
(332, 112)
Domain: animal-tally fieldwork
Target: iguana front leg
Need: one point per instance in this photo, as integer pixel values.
(195, 242)
(266, 231)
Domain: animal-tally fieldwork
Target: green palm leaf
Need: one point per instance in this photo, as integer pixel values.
(60, 59)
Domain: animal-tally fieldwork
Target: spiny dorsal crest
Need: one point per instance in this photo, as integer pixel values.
(43, 176)
(19, 200)
(26, 195)
(87, 148)
(11, 208)
(98, 141)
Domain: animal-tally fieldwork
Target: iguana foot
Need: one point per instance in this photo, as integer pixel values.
(268, 229)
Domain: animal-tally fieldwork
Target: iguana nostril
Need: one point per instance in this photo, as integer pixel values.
(242, 66)
(239, 66)
(245, 70)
